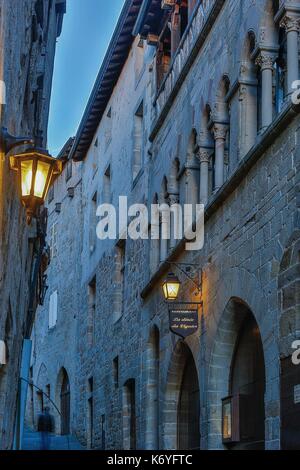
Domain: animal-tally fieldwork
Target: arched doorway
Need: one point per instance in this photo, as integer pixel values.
(237, 381)
(188, 433)
(247, 383)
(65, 404)
(181, 426)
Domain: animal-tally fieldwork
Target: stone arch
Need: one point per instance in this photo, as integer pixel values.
(40, 400)
(221, 109)
(248, 69)
(249, 96)
(234, 318)
(62, 400)
(182, 367)
(240, 284)
(152, 389)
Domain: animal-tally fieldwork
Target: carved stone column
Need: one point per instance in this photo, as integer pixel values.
(247, 110)
(220, 133)
(291, 24)
(204, 156)
(164, 228)
(174, 222)
(265, 61)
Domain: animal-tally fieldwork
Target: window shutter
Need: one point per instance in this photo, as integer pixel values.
(53, 310)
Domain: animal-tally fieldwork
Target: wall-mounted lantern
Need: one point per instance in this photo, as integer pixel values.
(183, 321)
(171, 286)
(36, 169)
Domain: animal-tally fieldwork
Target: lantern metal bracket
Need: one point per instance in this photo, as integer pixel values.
(188, 266)
(9, 141)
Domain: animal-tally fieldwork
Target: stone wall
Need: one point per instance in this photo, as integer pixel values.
(250, 222)
(28, 38)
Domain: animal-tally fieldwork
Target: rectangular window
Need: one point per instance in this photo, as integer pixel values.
(103, 432)
(116, 371)
(138, 132)
(106, 191)
(108, 131)
(69, 170)
(93, 223)
(53, 310)
(91, 310)
(118, 302)
(53, 240)
(129, 416)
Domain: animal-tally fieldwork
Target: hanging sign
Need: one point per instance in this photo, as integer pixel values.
(183, 322)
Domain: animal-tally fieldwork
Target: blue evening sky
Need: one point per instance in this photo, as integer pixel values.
(87, 29)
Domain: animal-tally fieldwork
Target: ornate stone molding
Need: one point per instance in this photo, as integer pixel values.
(173, 199)
(265, 60)
(220, 131)
(203, 155)
(290, 23)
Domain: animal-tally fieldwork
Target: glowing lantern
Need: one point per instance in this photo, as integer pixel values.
(36, 169)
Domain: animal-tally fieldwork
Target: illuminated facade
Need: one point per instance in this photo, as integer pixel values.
(195, 107)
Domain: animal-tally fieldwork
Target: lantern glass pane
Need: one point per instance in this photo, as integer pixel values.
(173, 289)
(227, 431)
(26, 177)
(41, 176)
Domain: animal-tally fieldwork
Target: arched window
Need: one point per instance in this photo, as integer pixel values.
(154, 239)
(164, 222)
(192, 171)
(173, 201)
(249, 97)
(65, 404)
(206, 154)
(221, 130)
(280, 72)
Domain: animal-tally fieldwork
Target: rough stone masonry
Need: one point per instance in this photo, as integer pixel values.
(28, 33)
(195, 107)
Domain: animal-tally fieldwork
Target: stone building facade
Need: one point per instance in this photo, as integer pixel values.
(193, 104)
(28, 32)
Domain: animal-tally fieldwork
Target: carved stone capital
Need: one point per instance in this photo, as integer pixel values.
(203, 155)
(173, 199)
(290, 23)
(220, 131)
(265, 60)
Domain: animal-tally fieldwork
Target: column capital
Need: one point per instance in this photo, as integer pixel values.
(290, 22)
(203, 155)
(265, 60)
(220, 131)
(173, 199)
